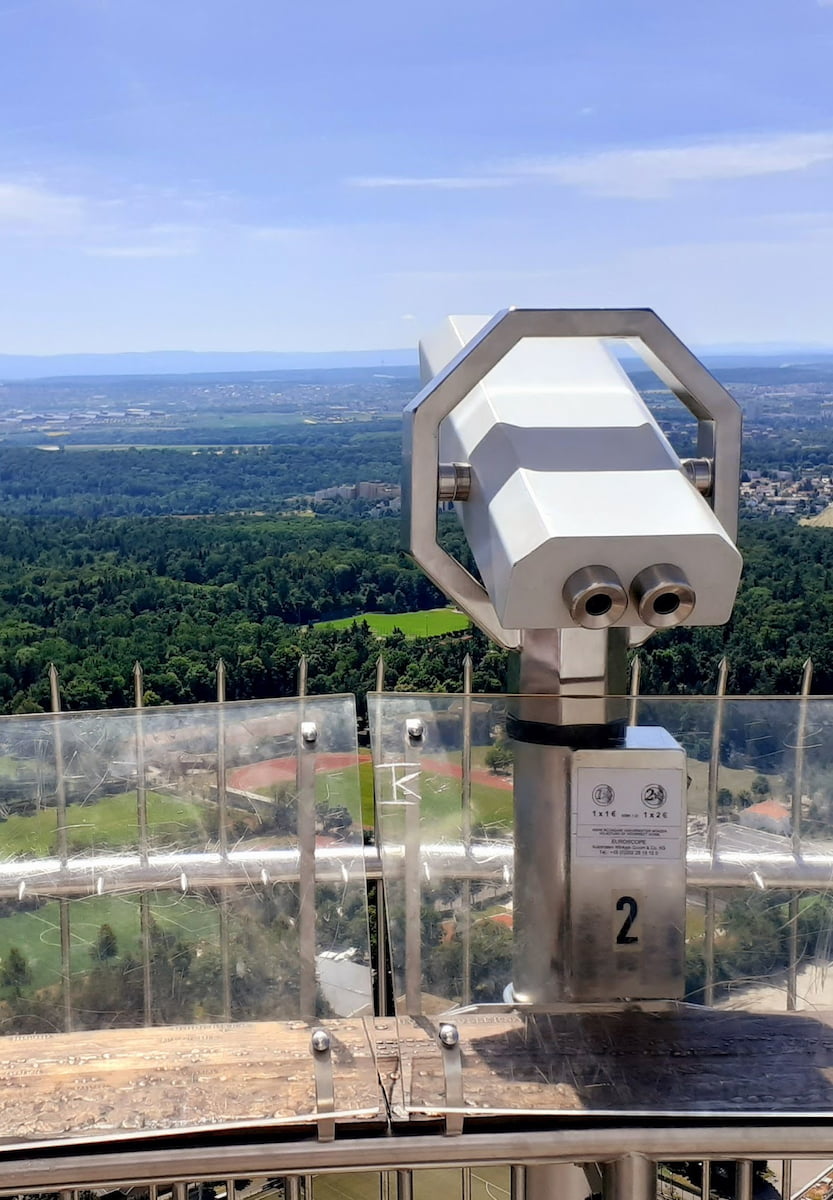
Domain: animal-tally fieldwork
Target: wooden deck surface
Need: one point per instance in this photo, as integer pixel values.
(120, 1082)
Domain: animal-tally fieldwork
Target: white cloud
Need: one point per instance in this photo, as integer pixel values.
(141, 251)
(432, 182)
(641, 173)
(657, 171)
(31, 207)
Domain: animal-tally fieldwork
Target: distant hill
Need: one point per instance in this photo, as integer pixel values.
(16, 367)
(196, 362)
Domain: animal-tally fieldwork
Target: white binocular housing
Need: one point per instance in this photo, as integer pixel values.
(577, 510)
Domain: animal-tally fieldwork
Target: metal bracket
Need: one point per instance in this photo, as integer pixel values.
(448, 1037)
(717, 413)
(322, 1062)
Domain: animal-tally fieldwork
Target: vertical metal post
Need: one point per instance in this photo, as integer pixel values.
(711, 826)
(414, 741)
(706, 1180)
(541, 898)
(633, 690)
(561, 679)
(142, 816)
(786, 1179)
(798, 788)
(222, 837)
(465, 1183)
(63, 843)
(465, 828)
(381, 910)
(292, 1187)
(405, 1185)
(305, 780)
(562, 1181)
(632, 1177)
(387, 1185)
(743, 1179)
(517, 1182)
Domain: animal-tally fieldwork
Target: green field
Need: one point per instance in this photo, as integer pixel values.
(431, 622)
(109, 823)
(38, 934)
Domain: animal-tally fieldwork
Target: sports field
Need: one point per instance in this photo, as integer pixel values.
(431, 622)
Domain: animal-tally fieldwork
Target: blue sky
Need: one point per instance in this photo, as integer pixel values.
(258, 174)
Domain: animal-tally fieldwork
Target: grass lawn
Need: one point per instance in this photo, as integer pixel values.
(37, 934)
(108, 823)
(429, 623)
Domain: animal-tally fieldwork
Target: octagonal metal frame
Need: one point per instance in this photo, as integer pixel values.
(718, 416)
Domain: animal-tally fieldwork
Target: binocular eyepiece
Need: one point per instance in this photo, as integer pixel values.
(597, 599)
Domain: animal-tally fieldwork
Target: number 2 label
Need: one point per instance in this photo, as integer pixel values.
(628, 906)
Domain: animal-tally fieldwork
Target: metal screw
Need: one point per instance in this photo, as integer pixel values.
(449, 1035)
(309, 732)
(415, 728)
(320, 1041)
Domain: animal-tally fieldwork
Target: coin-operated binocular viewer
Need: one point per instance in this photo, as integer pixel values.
(589, 533)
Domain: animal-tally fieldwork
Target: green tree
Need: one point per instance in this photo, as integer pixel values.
(499, 758)
(15, 973)
(106, 945)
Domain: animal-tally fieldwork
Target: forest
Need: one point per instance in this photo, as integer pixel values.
(96, 596)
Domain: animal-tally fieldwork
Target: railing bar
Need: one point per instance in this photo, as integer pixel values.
(405, 1185)
(305, 779)
(63, 845)
(382, 959)
(120, 874)
(743, 1179)
(292, 1188)
(798, 791)
(222, 835)
(517, 1182)
(144, 848)
(465, 825)
(413, 877)
(706, 1180)
(465, 1183)
(660, 1142)
(710, 917)
(786, 1179)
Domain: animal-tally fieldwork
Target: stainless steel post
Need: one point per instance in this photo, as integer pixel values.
(222, 838)
(414, 734)
(541, 899)
(63, 844)
(571, 688)
(465, 826)
(632, 1177)
(564, 1181)
(142, 812)
(711, 827)
(798, 789)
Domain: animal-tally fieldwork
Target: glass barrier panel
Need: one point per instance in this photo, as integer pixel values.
(758, 950)
(180, 867)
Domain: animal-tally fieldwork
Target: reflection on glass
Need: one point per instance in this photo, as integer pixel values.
(760, 848)
(180, 866)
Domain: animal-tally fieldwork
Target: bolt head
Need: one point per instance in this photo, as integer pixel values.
(449, 1035)
(309, 732)
(320, 1040)
(415, 728)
